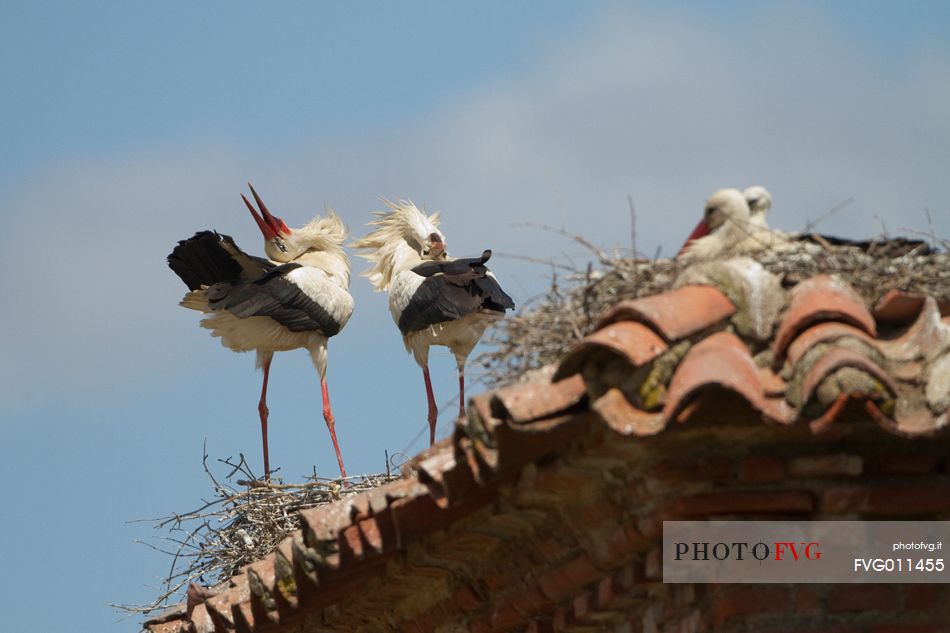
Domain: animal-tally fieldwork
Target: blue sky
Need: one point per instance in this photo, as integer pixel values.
(128, 126)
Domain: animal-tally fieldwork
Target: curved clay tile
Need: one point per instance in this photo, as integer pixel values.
(824, 333)
(938, 384)
(675, 314)
(838, 358)
(830, 415)
(719, 360)
(925, 338)
(536, 400)
(624, 418)
(772, 383)
(821, 298)
(907, 420)
(632, 341)
(756, 293)
(897, 307)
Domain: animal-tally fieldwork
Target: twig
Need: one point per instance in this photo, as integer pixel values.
(811, 224)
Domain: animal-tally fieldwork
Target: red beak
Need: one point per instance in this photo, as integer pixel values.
(701, 229)
(269, 224)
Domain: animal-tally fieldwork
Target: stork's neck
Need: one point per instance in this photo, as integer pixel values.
(405, 258)
(336, 265)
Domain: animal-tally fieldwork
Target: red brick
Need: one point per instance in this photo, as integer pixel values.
(500, 577)
(806, 601)
(506, 617)
(902, 464)
(480, 625)
(582, 605)
(592, 518)
(761, 469)
(738, 502)
(653, 566)
(567, 579)
(920, 596)
(615, 547)
(808, 628)
(530, 601)
(748, 600)
(909, 500)
(911, 628)
(691, 623)
(708, 469)
(826, 466)
(861, 598)
(465, 599)
(552, 549)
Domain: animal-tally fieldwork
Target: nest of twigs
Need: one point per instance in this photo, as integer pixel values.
(244, 521)
(546, 327)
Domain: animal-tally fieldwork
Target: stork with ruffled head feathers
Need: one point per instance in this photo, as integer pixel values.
(433, 298)
(297, 298)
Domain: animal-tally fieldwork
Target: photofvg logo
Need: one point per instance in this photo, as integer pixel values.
(743, 550)
(804, 551)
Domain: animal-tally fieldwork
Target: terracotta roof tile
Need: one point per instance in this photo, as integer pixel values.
(631, 341)
(926, 337)
(675, 314)
(828, 331)
(821, 298)
(722, 361)
(838, 358)
(897, 306)
(524, 403)
(497, 510)
(624, 418)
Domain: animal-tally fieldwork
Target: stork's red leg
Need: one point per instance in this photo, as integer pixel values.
(328, 416)
(461, 391)
(433, 410)
(262, 409)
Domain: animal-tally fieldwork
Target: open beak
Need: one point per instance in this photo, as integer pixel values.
(701, 229)
(270, 225)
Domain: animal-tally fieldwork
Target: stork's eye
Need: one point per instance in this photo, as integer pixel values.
(280, 245)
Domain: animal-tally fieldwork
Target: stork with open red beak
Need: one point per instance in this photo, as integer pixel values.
(296, 298)
(434, 299)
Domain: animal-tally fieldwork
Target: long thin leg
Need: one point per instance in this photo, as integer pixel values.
(462, 390)
(328, 416)
(262, 409)
(433, 410)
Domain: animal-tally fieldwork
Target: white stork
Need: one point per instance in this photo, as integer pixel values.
(434, 299)
(297, 298)
(728, 228)
(760, 201)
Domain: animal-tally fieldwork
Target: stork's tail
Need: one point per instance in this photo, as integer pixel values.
(202, 260)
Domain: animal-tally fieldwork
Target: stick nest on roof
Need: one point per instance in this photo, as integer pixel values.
(547, 327)
(244, 522)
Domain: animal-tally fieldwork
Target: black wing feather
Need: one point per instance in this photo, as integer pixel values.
(208, 258)
(274, 296)
(451, 291)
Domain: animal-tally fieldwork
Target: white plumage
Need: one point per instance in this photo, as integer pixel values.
(728, 228)
(297, 298)
(433, 299)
